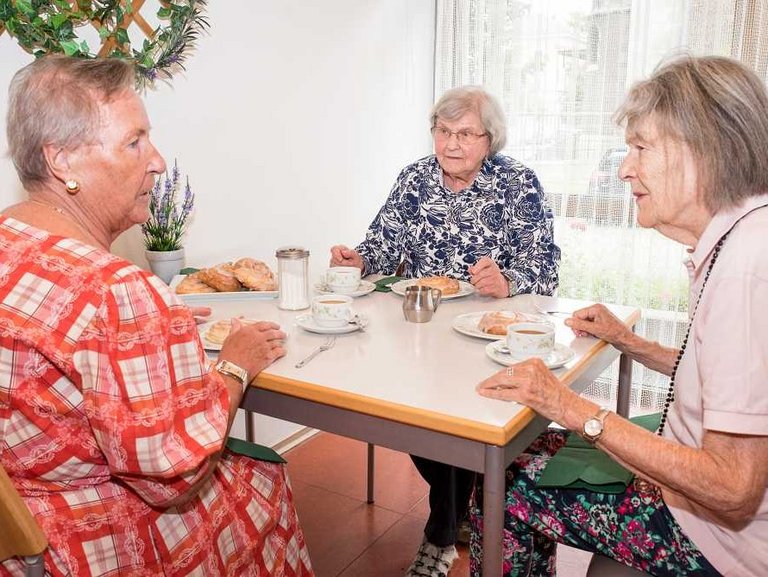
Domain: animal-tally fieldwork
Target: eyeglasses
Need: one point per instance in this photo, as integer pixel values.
(462, 136)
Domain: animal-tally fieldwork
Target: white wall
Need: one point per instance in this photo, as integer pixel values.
(292, 121)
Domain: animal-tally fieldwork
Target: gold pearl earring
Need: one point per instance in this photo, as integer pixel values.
(73, 187)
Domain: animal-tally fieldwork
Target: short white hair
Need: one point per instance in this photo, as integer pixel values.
(457, 101)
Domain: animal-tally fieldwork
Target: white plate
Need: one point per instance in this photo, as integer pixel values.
(467, 324)
(365, 287)
(231, 296)
(465, 288)
(307, 323)
(208, 345)
(557, 358)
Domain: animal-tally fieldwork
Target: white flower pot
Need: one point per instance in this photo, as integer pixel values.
(165, 263)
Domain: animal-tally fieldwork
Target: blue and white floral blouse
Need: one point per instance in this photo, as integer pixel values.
(435, 231)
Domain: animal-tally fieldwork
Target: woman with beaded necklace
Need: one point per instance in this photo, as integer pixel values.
(697, 132)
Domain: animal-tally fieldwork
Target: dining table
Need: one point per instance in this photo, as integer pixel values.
(411, 386)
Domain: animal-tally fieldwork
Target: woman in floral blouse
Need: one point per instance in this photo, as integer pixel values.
(470, 213)
(112, 422)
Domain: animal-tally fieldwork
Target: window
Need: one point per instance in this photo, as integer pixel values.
(561, 68)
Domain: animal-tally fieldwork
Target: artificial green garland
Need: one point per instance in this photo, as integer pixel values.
(50, 26)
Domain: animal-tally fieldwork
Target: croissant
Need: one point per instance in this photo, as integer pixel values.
(221, 277)
(192, 284)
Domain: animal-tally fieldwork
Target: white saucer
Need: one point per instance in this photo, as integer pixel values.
(365, 287)
(497, 351)
(307, 323)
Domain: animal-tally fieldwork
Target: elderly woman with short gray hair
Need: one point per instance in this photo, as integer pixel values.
(470, 213)
(114, 424)
(697, 133)
(466, 211)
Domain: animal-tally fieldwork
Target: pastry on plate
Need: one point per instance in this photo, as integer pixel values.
(221, 277)
(254, 274)
(447, 285)
(496, 322)
(193, 284)
(218, 332)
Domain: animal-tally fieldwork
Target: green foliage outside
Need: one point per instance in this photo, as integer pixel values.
(629, 266)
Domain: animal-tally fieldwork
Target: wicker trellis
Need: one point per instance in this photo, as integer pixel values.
(157, 53)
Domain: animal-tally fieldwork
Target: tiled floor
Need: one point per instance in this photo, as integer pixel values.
(349, 538)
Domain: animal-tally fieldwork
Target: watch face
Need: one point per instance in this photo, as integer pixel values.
(593, 427)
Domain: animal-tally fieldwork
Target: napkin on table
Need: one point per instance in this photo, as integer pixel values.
(384, 284)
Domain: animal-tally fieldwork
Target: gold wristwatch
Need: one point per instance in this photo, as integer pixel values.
(232, 370)
(593, 427)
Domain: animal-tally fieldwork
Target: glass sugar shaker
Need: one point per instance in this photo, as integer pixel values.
(292, 277)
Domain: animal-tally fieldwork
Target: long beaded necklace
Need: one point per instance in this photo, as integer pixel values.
(671, 391)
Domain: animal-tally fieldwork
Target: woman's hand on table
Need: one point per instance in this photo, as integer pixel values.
(487, 278)
(253, 346)
(598, 321)
(532, 384)
(345, 256)
(201, 314)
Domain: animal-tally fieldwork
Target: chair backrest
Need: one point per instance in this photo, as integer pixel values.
(604, 567)
(20, 535)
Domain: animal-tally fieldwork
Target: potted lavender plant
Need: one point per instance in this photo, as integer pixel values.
(170, 210)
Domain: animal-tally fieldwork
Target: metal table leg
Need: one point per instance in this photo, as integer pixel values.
(624, 391)
(371, 476)
(249, 426)
(493, 510)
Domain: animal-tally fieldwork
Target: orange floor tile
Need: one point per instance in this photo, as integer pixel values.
(346, 536)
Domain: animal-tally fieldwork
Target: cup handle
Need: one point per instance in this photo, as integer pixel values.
(437, 296)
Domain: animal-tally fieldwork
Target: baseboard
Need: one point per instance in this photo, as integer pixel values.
(295, 439)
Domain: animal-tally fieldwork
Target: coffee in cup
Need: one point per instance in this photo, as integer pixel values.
(531, 339)
(342, 279)
(332, 310)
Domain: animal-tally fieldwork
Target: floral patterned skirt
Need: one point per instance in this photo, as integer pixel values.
(634, 527)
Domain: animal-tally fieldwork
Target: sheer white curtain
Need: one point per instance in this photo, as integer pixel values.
(561, 68)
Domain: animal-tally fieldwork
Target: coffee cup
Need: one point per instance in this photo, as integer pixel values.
(342, 279)
(535, 339)
(332, 310)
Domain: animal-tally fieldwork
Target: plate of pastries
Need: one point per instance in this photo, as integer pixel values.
(492, 325)
(242, 278)
(451, 288)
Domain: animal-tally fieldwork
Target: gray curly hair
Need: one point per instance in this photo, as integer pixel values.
(458, 101)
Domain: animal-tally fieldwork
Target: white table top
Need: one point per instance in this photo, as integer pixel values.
(422, 374)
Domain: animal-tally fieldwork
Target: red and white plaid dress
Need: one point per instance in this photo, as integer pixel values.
(108, 410)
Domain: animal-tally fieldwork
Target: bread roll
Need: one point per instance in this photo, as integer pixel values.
(254, 274)
(193, 284)
(222, 278)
